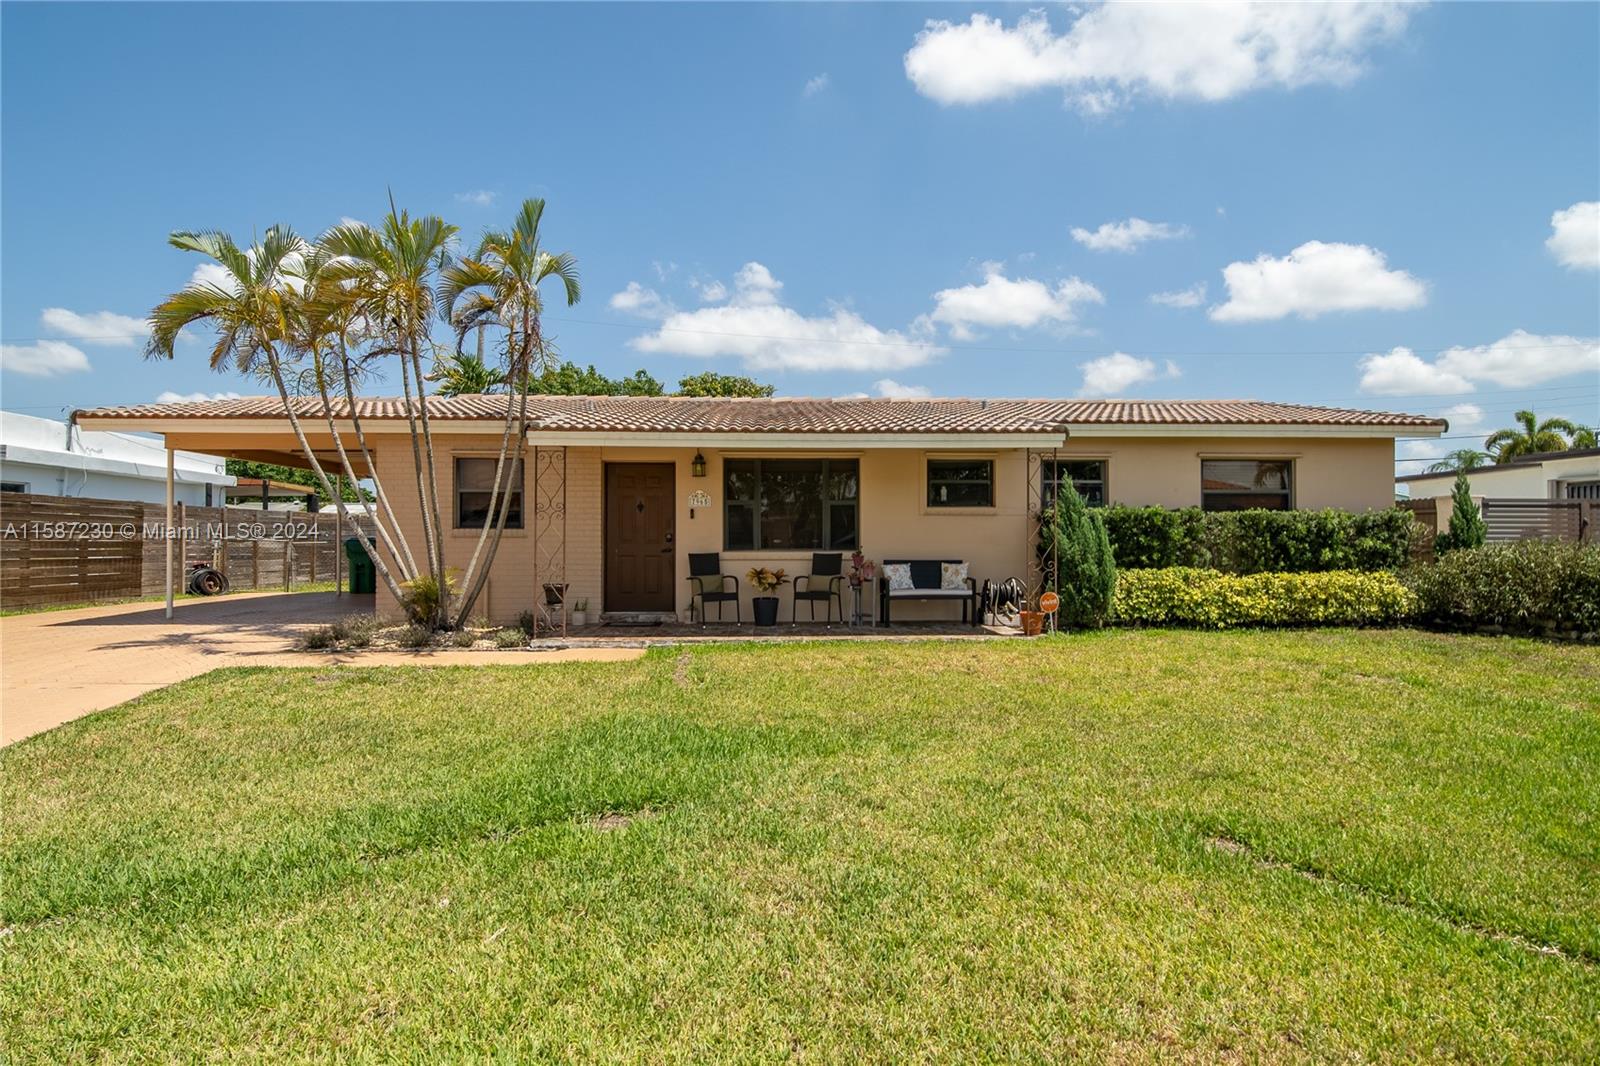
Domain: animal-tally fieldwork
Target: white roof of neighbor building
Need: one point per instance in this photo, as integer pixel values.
(1529, 476)
(46, 442)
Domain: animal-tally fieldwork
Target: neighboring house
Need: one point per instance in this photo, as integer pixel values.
(1569, 475)
(1544, 494)
(627, 487)
(49, 458)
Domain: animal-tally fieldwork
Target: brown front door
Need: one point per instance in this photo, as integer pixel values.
(639, 542)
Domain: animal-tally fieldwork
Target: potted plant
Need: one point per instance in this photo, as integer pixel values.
(862, 570)
(766, 581)
(580, 613)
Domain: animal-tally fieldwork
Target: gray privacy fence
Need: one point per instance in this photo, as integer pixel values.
(56, 550)
(1506, 520)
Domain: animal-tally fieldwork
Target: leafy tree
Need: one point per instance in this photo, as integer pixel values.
(1460, 459)
(460, 374)
(1466, 523)
(292, 475)
(1529, 437)
(1585, 437)
(710, 383)
(1080, 568)
(569, 379)
(640, 383)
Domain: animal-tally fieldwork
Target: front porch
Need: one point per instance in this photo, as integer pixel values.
(670, 633)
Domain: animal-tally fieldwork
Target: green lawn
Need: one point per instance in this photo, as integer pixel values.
(839, 852)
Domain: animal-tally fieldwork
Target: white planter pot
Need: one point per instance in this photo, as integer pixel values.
(580, 618)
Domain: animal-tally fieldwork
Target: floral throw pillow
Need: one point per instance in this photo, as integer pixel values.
(952, 575)
(899, 576)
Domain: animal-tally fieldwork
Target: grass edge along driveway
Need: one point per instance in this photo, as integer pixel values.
(1143, 845)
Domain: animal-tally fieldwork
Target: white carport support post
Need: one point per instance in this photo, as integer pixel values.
(171, 546)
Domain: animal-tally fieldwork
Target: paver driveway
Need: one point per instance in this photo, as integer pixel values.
(60, 665)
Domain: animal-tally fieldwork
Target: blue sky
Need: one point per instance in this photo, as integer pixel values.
(1380, 207)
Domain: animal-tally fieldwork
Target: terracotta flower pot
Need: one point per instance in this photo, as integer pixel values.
(1032, 623)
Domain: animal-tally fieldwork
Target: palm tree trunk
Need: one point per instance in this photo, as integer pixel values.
(433, 477)
(344, 461)
(430, 534)
(311, 456)
(408, 563)
(476, 579)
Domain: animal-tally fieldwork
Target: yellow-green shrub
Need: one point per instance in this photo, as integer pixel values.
(1187, 596)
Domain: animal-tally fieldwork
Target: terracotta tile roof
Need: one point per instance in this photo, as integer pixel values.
(667, 414)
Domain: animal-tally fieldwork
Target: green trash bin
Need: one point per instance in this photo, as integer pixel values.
(363, 575)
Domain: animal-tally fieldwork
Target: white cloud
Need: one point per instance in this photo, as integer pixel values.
(1465, 417)
(1517, 359)
(1127, 236)
(711, 292)
(96, 327)
(815, 85)
(1522, 358)
(1003, 302)
(1111, 374)
(195, 397)
(1316, 278)
(1113, 53)
(215, 275)
(891, 389)
(1575, 236)
(638, 300)
(1401, 372)
(477, 197)
(1193, 296)
(754, 327)
(42, 359)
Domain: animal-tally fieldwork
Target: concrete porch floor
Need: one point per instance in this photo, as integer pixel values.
(626, 636)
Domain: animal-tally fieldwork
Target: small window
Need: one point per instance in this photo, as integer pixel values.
(960, 483)
(1583, 490)
(1242, 484)
(13, 486)
(1088, 476)
(475, 484)
(791, 504)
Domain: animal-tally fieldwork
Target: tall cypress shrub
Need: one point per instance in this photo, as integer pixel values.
(1466, 522)
(1082, 572)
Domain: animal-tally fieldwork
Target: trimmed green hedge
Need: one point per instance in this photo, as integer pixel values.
(1531, 586)
(1258, 541)
(1188, 596)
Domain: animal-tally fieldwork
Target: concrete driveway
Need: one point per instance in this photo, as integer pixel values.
(60, 665)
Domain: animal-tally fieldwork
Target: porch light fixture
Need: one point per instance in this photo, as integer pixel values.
(697, 465)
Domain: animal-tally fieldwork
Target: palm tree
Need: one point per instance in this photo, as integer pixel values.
(463, 375)
(1584, 437)
(258, 314)
(1460, 459)
(385, 277)
(1533, 436)
(498, 285)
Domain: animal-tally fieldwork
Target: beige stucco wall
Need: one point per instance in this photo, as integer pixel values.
(895, 522)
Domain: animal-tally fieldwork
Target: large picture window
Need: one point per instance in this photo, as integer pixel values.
(1088, 476)
(791, 504)
(960, 483)
(1240, 484)
(475, 484)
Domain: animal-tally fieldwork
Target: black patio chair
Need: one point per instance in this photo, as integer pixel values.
(710, 585)
(826, 568)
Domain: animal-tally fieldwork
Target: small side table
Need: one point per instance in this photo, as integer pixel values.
(858, 616)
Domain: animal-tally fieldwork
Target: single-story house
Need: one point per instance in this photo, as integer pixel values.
(1568, 475)
(619, 491)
